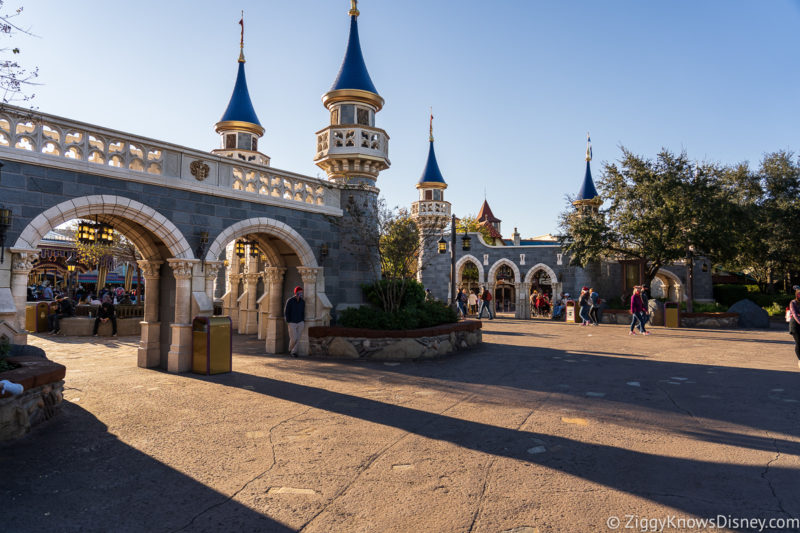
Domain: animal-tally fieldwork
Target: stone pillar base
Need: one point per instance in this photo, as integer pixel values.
(179, 358)
(262, 326)
(248, 321)
(150, 345)
(276, 340)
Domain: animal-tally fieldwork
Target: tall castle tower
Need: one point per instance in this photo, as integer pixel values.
(239, 127)
(351, 150)
(587, 196)
(431, 211)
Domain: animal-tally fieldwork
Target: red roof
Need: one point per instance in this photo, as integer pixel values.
(486, 215)
(492, 231)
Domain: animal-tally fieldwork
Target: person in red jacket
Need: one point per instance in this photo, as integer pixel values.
(637, 311)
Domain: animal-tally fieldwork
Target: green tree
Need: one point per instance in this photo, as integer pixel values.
(657, 211)
(470, 224)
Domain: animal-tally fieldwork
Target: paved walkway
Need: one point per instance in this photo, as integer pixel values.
(546, 427)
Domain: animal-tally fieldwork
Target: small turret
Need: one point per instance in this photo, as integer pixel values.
(239, 126)
(587, 196)
(432, 211)
(352, 148)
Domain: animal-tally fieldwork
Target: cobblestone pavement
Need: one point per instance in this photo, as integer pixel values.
(546, 427)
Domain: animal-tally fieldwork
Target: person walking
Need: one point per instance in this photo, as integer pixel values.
(794, 323)
(486, 304)
(584, 303)
(105, 313)
(637, 311)
(532, 301)
(62, 308)
(473, 302)
(594, 308)
(461, 302)
(295, 315)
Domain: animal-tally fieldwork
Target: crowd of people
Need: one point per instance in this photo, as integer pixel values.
(63, 306)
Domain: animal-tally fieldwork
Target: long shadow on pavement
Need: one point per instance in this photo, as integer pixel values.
(704, 488)
(71, 474)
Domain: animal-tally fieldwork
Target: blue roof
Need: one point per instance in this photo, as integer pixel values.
(431, 174)
(587, 192)
(240, 108)
(353, 73)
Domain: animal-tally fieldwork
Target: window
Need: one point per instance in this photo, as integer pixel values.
(363, 116)
(243, 141)
(255, 143)
(429, 194)
(504, 273)
(335, 116)
(230, 141)
(348, 114)
(437, 195)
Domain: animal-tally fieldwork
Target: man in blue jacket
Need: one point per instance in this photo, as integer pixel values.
(295, 315)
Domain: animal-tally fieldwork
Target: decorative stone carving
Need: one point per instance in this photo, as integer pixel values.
(181, 269)
(22, 262)
(308, 274)
(150, 269)
(212, 269)
(235, 277)
(251, 277)
(199, 170)
(274, 274)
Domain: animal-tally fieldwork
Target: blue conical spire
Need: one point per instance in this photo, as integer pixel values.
(588, 190)
(240, 108)
(431, 174)
(353, 73)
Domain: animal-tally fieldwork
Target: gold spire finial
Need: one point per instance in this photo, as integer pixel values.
(588, 147)
(431, 125)
(241, 41)
(354, 8)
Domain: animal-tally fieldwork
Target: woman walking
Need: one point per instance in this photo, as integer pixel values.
(794, 323)
(637, 311)
(594, 300)
(584, 303)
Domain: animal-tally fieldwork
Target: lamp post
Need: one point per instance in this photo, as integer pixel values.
(453, 290)
(71, 267)
(690, 275)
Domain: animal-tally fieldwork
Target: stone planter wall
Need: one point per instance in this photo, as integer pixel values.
(43, 381)
(379, 345)
(688, 320)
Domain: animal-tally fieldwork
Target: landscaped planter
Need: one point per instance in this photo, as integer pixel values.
(394, 345)
(688, 320)
(43, 383)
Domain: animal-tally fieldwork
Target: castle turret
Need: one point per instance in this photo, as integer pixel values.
(239, 127)
(431, 211)
(352, 149)
(587, 196)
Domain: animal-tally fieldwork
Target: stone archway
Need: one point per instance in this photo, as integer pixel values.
(507, 293)
(147, 229)
(555, 285)
(266, 318)
(500, 262)
(672, 285)
(462, 262)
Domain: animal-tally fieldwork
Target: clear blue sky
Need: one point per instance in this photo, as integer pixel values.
(515, 85)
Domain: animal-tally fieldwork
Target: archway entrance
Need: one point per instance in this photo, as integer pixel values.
(166, 261)
(504, 291)
(264, 261)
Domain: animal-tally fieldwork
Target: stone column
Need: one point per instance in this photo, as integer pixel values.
(519, 307)
(180, 351)
(309, 276)
(524, 299)
(276, 340)
(150, 342)
(248, 315)
(21, 266)
(211, 272)
(232, 304)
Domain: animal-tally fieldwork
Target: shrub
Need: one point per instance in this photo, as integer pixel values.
(774, 304)
(427, 314)
(5, 350)
(413, 293)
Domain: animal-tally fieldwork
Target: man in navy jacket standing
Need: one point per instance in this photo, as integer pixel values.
(295, 314)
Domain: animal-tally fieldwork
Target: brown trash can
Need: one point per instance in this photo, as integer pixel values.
(212, 345)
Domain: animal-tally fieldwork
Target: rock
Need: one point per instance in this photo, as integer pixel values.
(750, 314)
(444, 348)
(400, 350)
(341, 348)
(656, 310)
(366, 344)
